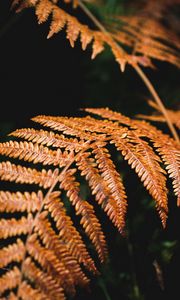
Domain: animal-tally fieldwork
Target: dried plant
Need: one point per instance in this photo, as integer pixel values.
(44, 253)
(46, 249)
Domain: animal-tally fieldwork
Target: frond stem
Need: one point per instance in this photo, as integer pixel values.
(142, 75)
(158, 100)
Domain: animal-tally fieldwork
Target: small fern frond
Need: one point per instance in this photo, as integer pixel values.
(14, 202)
(20, 174)
(44, 281)
(52, 241)
(88, 220)
(49, 138)
(13, 227)
(68, 233)
(26, 292)
(50, 263)
(10, 280)
(102, 192)
(13, 252)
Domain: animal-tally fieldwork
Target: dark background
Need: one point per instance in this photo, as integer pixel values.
(40, 76)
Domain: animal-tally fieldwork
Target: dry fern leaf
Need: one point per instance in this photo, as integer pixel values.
(147, 32)
(146, 35)
(168, 148)
(75, 30)
(47, 252)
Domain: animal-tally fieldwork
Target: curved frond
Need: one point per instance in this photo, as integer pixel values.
(52, 259)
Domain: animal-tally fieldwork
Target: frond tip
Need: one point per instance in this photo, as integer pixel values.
(42, 241)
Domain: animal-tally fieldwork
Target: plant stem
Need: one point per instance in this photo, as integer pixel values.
(138, 70)
(158, 101)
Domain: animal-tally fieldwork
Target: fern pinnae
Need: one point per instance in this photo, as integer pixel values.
(100, 189)
(49, 138)
(12, 227)
(44, 281)
(10, 280)
(111, 177)
(50, 263)
(32, 152)
(21, 174)
(14, 202)
(27, 292)
(68, 233)
(88, 219)
(52, 241)
(168, 150)
(13, 252)
(143, 160)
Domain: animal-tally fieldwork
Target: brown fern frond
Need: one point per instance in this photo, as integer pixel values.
(27, 292)
(49, 138)
(68, 233)
(13, 227)
(100, 189)
(10, 280)
(53, 242)
(51, 264)
(14, 252)
(12, 202)
(141, 154)
(20, 174)
(52, 258)
(168, 150)
(135, 31)
(88, 220)
(145, 163)
(111, 177)
(69, 126)
(33, 153)
(42, 280)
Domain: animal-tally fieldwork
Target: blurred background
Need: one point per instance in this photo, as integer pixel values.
(40, 76)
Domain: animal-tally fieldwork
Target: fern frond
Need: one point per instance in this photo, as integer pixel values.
(99, 188)
(51, 264)
(49, 138)
(88, 220)
(145, 163)
(33, 153)
(53, 242)
(10, 280)
(68, 233)
(134, 31)
(42, 280)
(53, 257)
(111, 177)
(13, 227)
(14, 252)
(19, 174)
(11, 202)
(27, 292)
